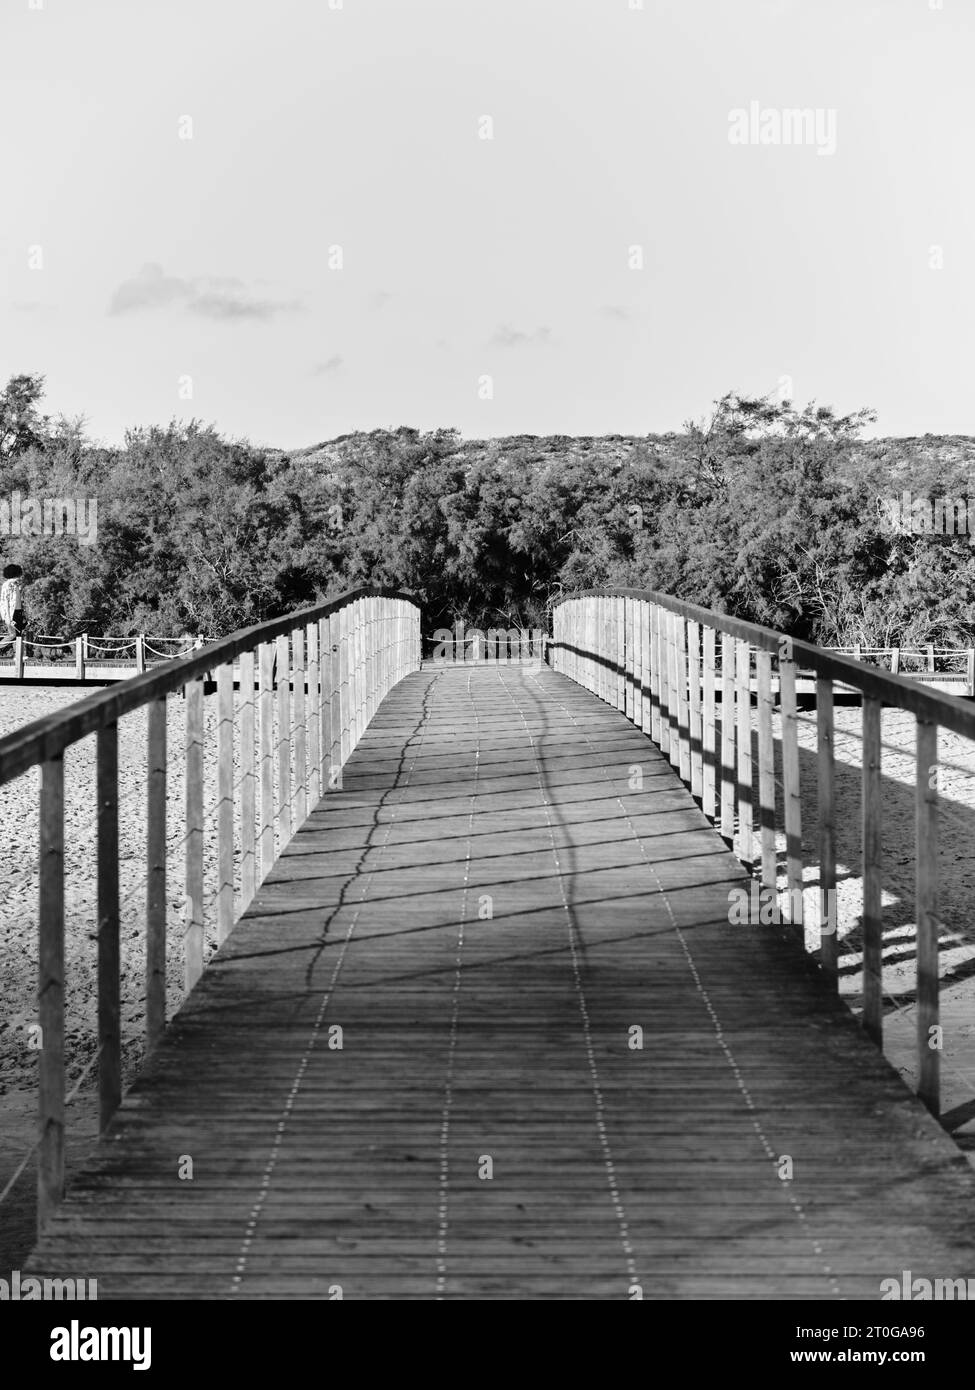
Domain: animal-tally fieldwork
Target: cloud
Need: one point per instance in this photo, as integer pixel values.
(215, 297)
(28, 306)
(380, 299)
(507, 336)
(615, 311)
(332, 365)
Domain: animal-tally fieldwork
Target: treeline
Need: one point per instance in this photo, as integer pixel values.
(763, 510)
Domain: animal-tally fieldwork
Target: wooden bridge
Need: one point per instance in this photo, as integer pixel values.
(484, 1028)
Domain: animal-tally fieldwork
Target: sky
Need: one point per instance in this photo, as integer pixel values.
(299, 218)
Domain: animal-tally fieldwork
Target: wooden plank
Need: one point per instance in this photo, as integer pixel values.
(746, 848)
(248, 781)
(299, 726)
(871, 822)
(50, 991)
(225, 801)
(109, 960)
(335, 703)
(696, 728)
(683, 704)
(791, 790)
(266, 713)
(285, 802)
(156, 902)
(826, 796)
(728, 772)
(193, 924)
(709, 732)
(929, 1032)
(766, 770)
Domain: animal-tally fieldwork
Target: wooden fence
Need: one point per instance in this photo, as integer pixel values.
(326, 668)
(684, 675)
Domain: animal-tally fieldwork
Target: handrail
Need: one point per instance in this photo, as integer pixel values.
(655, 658)
(309, 684)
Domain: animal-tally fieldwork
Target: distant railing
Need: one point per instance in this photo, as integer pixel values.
(671, 667)
(90, 653)
(326, 668)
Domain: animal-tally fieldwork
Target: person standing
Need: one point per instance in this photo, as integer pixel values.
(12, 603)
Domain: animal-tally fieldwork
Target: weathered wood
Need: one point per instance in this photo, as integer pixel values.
(791, 789)
(345, 694)
(109, 960)
(50, 991)
(826, 797)
(285, 802)
(314, 715)
(266, 713)
(728, 771)
(225, 801)
(335, 707)
(872, 839)
(694, 715)
(156, 901)
(299, 725)
(317, 1166)
(248, 782)
(766, 770)
(193, 924)
(746, 849)
(928, 1020)
(683, 704)
(709, 731)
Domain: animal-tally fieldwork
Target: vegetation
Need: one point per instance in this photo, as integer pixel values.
(763, 510)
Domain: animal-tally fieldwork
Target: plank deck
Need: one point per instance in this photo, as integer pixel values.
(487, 909)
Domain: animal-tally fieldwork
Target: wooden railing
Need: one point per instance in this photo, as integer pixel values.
(683, 674)
(322, 671)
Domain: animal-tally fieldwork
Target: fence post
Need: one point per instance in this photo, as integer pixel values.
(266, 711)
(79, 658)
(766, 770)
(50, 990)
(791, 789)
(709, 731)
(109, 962)
(225, 800)
(156, 872)
(193, 933)
(284, 740)
(744, 703)
(140, 653)
(727, 738)
(314, 714)
(248, 783)
(825, 756)
(299, 727)
(873, 929)
(928, 1041)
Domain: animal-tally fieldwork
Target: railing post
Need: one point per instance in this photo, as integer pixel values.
(50, 991)
(683, 703)
(709, 732)
(284, 740)
(928, 1026)
(109, 963)
(646, 704)
(728, 775)
(248, 783)
(619, 645)
(335, 705)
(18, 658)
(766, 770)
(873, 929)
(79, 658)
(140, 653)
(266, 711)
(825, 756)
(156, 872)
(746, 850)
(628, 657)
(674, 691)
(694, 726)
(193, 929)
(314, 714)
(791, 789)
(345, 687)
(300, 727)
(225, 800)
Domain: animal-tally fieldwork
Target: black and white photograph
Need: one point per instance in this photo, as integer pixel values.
(487, 673)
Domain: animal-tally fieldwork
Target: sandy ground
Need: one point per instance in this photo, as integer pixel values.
(18, 917)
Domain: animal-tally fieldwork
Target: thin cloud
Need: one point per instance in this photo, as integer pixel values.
(615, 311)
(508, 337)
(332, 365)
(215, 297)
(380, 299)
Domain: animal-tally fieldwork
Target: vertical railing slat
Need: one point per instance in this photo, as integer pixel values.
(225, 800)
(873, 927)
(266, 713)
(50, 991)
(248, 782)
(156, 780)
(109, 959)
(193, 926)
(826, 799)
(728, 774)
(791, 789)
(766, 769)
(283, 676)
(926, 912)
(746, 851)
(709, 730)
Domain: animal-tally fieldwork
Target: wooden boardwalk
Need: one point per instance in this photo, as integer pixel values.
(487, 910)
